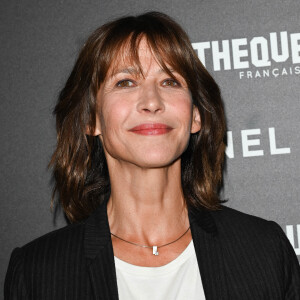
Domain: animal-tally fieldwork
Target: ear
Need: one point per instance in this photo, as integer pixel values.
(97, 130)
(196, 121)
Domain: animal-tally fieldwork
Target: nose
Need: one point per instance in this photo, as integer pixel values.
(150, 100)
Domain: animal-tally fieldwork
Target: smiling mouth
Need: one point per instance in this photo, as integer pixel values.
(151, 129)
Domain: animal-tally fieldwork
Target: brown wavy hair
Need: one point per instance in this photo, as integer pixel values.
(79, 164)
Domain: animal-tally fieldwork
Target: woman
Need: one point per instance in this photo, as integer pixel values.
(138, 163)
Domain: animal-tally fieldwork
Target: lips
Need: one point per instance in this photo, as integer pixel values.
(151, 129)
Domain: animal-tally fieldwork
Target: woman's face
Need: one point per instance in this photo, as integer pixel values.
(145, 121)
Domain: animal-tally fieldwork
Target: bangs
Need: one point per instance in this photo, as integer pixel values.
(169, 53)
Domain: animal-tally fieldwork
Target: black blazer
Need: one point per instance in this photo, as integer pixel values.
(239, 257)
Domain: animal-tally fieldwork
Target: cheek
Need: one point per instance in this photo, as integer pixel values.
(113, 113)
(183, 109)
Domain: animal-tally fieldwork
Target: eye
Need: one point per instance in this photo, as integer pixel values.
(171, 83)
(125, 83)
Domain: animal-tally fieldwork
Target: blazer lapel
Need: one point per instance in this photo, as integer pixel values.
(209, 254)
(99, 255)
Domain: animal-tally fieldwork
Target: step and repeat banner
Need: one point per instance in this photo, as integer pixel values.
(252, 49)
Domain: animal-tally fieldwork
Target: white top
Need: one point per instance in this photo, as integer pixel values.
(180, 279)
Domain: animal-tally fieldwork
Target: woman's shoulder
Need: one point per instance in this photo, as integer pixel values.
(253, 242)
(235, 227)
(231, 218)
(57, 250)
(46, 248)
(67, 242)
(61, 236)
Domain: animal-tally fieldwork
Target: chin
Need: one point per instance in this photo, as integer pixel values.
(156, 162)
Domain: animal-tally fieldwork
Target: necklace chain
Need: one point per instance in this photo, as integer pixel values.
(155, 252)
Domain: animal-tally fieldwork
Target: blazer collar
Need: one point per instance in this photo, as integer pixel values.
(99, 255)
(97, 232)
(209, 251)
(203, 219)
(100, 259)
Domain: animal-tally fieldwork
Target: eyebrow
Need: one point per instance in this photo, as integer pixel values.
(132, 70)
(129, 70)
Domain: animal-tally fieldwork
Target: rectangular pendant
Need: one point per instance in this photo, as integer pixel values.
(155, 252)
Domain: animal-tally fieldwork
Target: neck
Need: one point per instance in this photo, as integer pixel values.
(147, 205)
